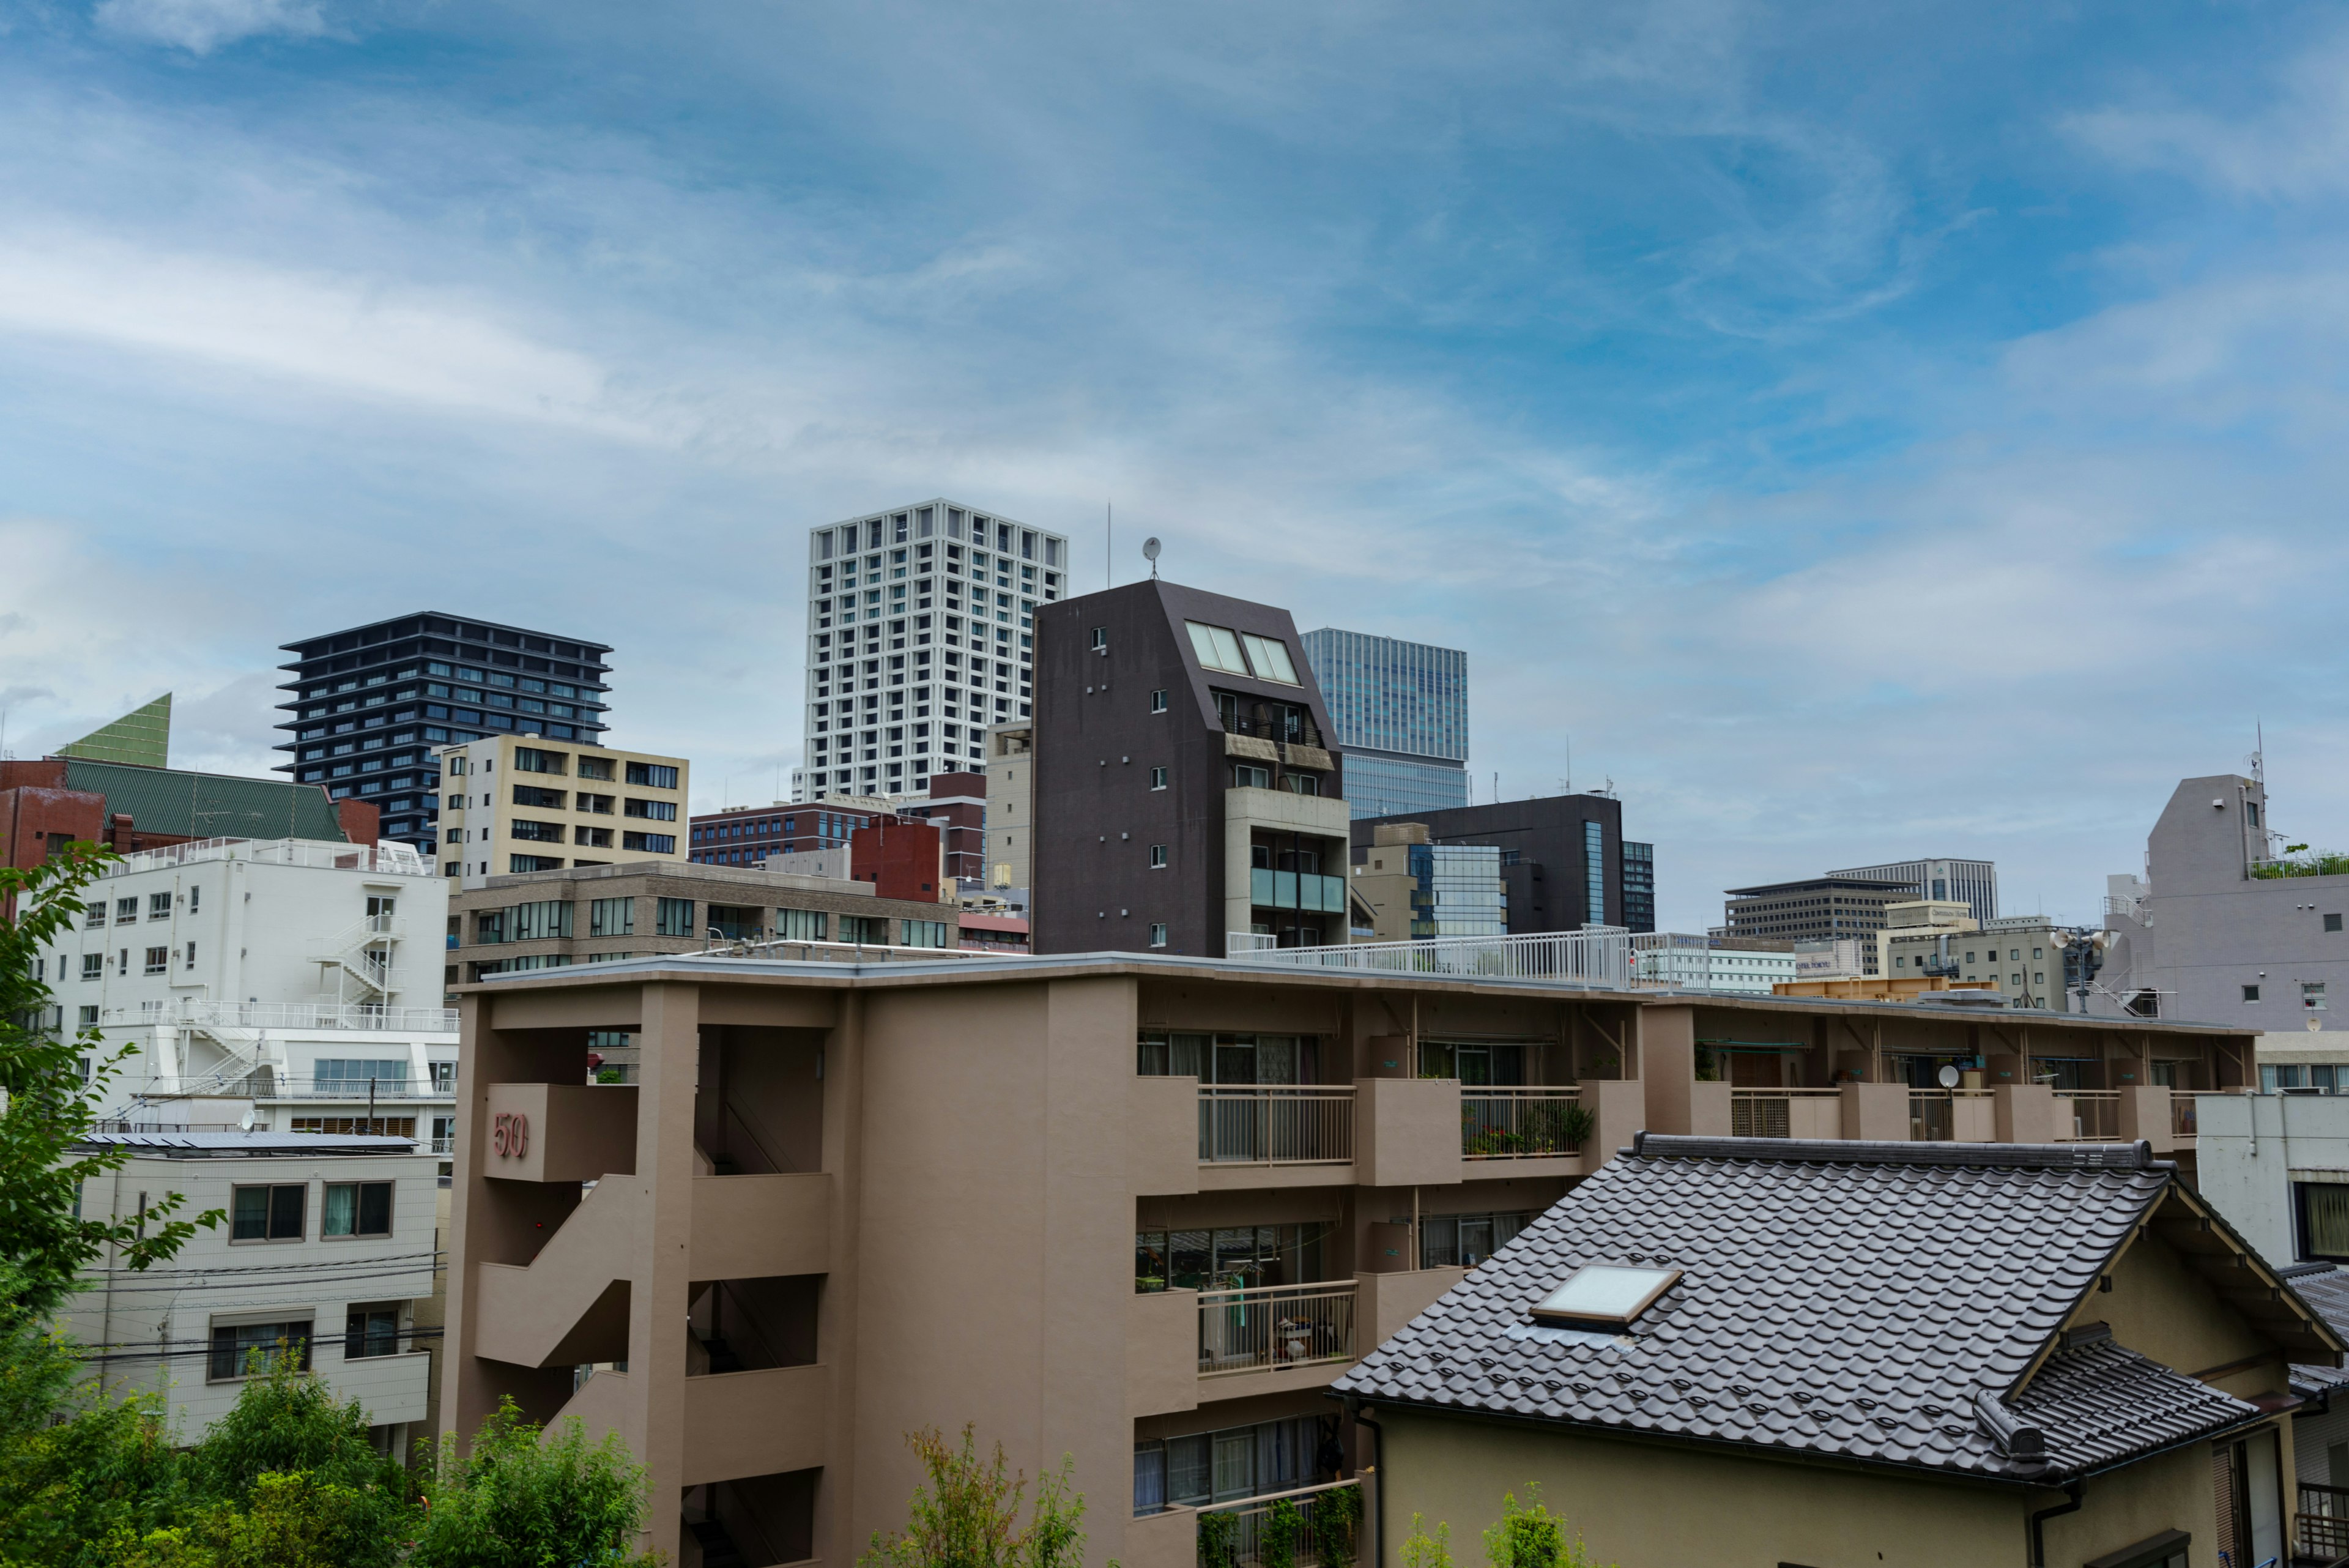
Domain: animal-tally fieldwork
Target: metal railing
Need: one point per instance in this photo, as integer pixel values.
(1252, 1526)
(1592, 957)
(1276, 1124)
(312, 1088)
(2088, 1116)
(381, 859)
(1932, 1113)
(317, 1015)
(822, 951)
(2321, 1523)
(1529, 1122)
(1769, 1113)
(2181, 1114)
(1265, 1327)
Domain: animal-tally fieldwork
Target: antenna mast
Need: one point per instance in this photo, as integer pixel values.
(1109, 543)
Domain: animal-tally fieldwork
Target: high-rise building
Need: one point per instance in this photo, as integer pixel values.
(1816, 909)
(366, 707)
(1401, 711)
(921, 633)
(517, 805)
(1973, 883)
(1638, 887)
(1562, 856)
(1188, 793)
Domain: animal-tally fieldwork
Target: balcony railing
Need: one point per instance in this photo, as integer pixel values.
(2181, 1114)
(314, 1015)
(1331, 1510)
(379, 859)
(1599, 959)
(2088, 1116)
(1769, 1113)
(1932, 1113)
(1276, 1124)
(290, 1087)
(1268, 1328)
(2321, 1524)
(1306, 891)
(1521, 1123)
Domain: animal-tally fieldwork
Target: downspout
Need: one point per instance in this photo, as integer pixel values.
(2038, 1542)
(1360, 1412)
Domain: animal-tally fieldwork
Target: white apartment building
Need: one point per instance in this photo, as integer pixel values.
(921, 634)
(298, 979)
(1704, 963)
(329, 1245)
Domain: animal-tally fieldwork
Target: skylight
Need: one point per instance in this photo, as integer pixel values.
(1270, 657)
(1607, 1295)
(1218, 649)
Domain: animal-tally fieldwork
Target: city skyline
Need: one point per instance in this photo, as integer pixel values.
(1810, 346)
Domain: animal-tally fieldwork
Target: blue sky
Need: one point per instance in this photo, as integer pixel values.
(1855, 432)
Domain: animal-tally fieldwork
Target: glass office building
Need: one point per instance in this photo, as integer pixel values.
(1401, 710)
(1459, 891)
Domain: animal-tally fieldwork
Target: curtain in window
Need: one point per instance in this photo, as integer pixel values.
(2328, 1218)
(342, 1209)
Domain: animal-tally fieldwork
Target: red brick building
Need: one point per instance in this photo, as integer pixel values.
(901, 857)
(957, 809)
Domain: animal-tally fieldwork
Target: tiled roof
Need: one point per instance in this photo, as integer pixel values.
(2325, 1287)
(1850, 1300)
(175, 802)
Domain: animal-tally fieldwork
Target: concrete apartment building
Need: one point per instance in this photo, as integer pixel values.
(1182, 766)
(1562, 856)
(1010, 810)
(366, 707)
(1973, 883)
(2222, 927)
(297, 979)
(329, 1245)
(513, 805)
(1187, 1194)
(1815, 909)
(2021, 955)
(1400, 712)
(920, 635)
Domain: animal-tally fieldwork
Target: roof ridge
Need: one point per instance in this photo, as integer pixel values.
(2137, 1155)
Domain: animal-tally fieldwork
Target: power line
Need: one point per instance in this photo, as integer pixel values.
(261, 1268)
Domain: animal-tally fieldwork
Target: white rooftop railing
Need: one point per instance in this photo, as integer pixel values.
(316, 1015)
(385, 859)
(1603, 957)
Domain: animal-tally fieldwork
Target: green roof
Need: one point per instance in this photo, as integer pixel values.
(142, 737)
(207, 805)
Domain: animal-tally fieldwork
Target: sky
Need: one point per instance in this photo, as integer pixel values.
(1856, 432)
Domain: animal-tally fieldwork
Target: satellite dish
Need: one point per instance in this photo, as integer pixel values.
(1948, 1076)
(245, 1121)
(1150, 554)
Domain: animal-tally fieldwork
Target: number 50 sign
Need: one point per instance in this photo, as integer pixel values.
(510, 1133)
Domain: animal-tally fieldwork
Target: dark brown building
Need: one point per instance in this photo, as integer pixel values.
(1184, 788)
(1562, 857)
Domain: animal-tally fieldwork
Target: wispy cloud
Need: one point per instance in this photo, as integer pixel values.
(200, 27)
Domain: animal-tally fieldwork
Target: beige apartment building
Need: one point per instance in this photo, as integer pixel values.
(516, 803)
(1136, 1209)
(1010, 806)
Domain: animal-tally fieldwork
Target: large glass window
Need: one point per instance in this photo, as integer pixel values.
(267, 1213)
(1464, 1241)
(612, 917)
(234, 1346)
(542, 920)
(1473, 1062)
(352, 1075)
(2323, 1220)
(1235, 1462)
(1233, 1257)
(800, 925)
(673, 917)
(1230, 1058)
(356, 1209)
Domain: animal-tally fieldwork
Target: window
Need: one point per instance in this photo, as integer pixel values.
(650, 810)
(1246, 776)
(2332, 922)
(93, 966)
(923, 933)
(1158, 935)
(1100, 636)
(95, 916)
(159, 908)
(1464, 1241)
(654, 776)
(1158, 778)
(267, 1213)
(521, 864)
(1270, 656)
(1218, 649)
(673, 917)
(2323, 1220)
(528, 832)
(2251, 993)
(649, 843)
(612, 917)
(354, 1075)
(533, 796)
(126, 911)
(1604, 1296)
(88, 1018)
(356, 1209)
(158, 960)
(548, 917)
(800, 925)
(236, 1349)
(595, 768)
(1158, 700)
(2312, 996)
(1157, 857)
(531, 760)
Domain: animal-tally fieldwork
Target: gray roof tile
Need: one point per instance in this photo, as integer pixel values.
(1841, 1298)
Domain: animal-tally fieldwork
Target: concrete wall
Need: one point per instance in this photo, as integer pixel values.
(2247, 1146)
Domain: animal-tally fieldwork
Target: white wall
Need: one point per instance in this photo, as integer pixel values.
(2247, 1146)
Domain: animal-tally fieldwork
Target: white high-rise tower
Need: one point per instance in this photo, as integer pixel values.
(921, 633)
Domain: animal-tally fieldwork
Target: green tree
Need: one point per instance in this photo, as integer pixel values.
(1531, 1537)
(517, 1501)
(287, 1424)
(50, 1107)
(288, 1522)
(966, 1515)
(1420, 1550)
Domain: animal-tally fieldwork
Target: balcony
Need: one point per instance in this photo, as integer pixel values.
(2321, 1523)
(1306, 890)
(2181, 1117)
(1533, 1122)
(1786, 1113)
(1952, 1115)
(1277, 1328)
(1276, 1124)
(2088, 1116)
(1324, 1523)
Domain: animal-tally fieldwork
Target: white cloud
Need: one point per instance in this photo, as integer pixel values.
(2296, 144)
(201, 26)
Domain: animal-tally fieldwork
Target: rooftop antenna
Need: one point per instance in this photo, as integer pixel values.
(1109, 544)
(2259, 755)
(1150, 554)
